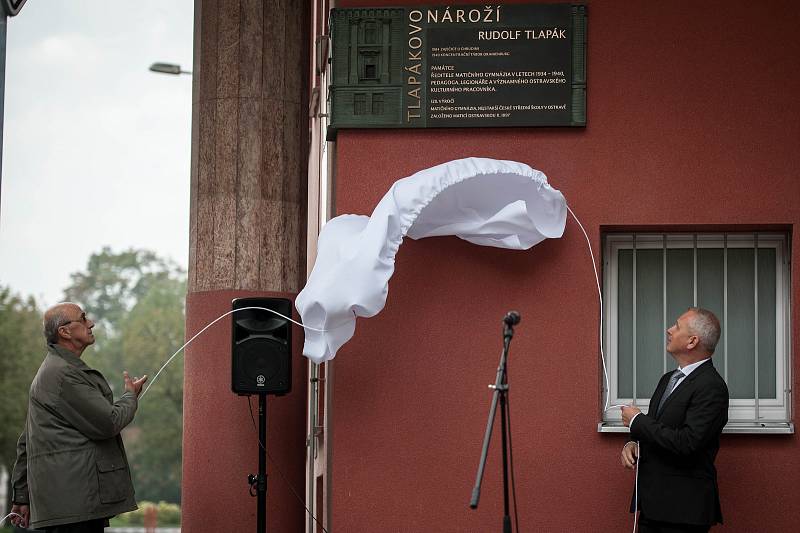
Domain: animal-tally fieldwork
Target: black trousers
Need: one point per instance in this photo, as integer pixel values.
(654, 526)
(90, 526)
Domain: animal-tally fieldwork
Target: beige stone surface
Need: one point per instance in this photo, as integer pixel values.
(249, 134)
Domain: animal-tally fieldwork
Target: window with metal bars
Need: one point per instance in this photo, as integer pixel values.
(651, 279)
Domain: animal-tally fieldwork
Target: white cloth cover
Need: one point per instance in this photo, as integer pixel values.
(484, 201)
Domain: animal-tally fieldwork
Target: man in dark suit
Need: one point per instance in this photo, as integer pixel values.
(677, 440)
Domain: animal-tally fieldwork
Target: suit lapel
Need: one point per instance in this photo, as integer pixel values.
(685, 385)
(659, 392)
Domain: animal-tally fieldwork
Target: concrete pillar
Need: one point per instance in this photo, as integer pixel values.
(248, 238)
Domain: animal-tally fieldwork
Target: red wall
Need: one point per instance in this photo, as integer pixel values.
(692, 120)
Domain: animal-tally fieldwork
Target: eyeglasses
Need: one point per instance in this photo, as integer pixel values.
(82, 320)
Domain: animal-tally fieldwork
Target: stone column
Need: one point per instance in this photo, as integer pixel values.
(248, 238)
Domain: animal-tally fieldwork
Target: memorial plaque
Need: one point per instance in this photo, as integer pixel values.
(458, 66)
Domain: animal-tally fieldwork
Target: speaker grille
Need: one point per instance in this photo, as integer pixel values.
(261, 362)
(262, 357)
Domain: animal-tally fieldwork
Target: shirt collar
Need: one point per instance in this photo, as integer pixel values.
(688, 369)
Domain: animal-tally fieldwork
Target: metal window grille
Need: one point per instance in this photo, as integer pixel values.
(650, 279)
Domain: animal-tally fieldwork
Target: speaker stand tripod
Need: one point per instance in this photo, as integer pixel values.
(259, 481)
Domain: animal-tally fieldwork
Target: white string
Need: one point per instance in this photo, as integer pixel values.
(192, 339)
(600, 297)
(211, 324)
(9, 514)
(605, 373)
(602, 353)
(636, 487)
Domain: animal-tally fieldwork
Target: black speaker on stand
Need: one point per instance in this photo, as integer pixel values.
(261, 363)
(261, 346)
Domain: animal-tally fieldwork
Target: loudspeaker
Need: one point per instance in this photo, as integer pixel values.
(261, 348)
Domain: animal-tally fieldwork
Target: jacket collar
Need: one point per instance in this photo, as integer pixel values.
(705, 367)
(66, 355)
(700, 369)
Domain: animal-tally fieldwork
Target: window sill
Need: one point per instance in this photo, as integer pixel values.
(762, 428)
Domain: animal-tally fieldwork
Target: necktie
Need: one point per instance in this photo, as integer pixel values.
(673, 381)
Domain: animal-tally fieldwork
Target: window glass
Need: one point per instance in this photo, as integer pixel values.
(766, 323)
(741, 329)
(625, 324)
(649, 321)
(711, 292)
(655, 279)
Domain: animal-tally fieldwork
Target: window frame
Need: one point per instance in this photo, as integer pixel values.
(771, 415)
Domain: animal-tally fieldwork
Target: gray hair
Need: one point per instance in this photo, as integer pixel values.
(53, 319)
(705, 325)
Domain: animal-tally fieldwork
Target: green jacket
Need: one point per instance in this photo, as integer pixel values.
(71, 465)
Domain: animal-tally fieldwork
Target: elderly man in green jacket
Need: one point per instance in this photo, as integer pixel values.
(71, 473)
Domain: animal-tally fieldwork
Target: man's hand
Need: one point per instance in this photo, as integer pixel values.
(628, 412)
(630, 454)
(133, 384)
(23, 511)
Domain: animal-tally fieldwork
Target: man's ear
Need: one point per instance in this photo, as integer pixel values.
(64, 332)
(694, 340)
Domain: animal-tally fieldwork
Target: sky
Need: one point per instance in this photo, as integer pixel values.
(96, 148)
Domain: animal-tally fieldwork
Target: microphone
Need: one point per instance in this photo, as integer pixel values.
(512, 318)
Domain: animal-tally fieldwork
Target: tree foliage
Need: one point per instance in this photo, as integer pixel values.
(22, 348)
(152, 332)
(137, 301)
(114, 282)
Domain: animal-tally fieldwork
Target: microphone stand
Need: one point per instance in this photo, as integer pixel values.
(500, 391)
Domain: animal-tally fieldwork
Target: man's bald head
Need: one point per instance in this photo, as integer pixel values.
(57, 315)
(66, 324)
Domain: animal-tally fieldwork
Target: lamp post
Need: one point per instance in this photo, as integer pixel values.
(168, 68)
(8, 8)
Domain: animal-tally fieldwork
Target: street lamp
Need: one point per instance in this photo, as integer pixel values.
(168, 68)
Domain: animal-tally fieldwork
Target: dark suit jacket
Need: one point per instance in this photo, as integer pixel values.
(677, 478)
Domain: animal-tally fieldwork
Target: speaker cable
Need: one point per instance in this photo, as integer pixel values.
(10, 514)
